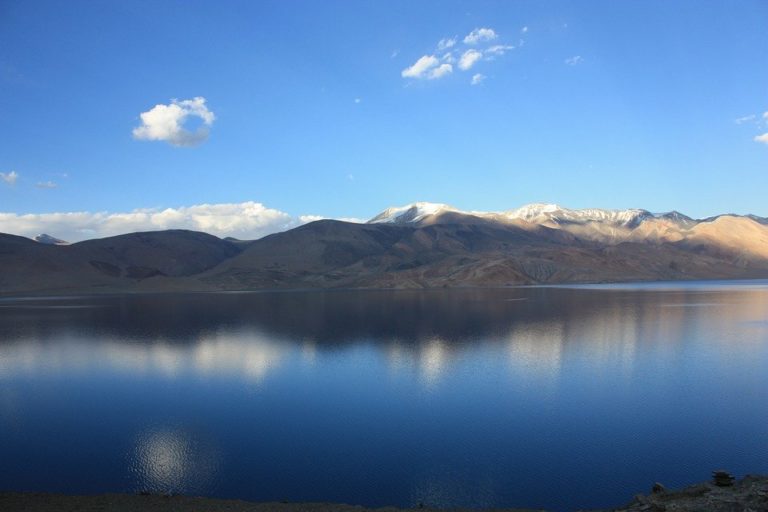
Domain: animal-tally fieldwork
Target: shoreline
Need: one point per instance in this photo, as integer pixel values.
(749, 493)
(92, 293)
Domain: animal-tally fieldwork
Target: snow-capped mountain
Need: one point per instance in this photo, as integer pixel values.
(536, 213)
(543, 213)
(411, 213)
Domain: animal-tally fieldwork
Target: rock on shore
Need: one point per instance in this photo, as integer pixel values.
(747, 495)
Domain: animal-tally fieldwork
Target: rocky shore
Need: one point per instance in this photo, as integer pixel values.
(747, 495)
(722, 494)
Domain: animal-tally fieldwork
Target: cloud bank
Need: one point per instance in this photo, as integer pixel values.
(166, 123)
(247, 221)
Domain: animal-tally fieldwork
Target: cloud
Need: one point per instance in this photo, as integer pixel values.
(497, 50)
(46, 184)
(358, 100)
(575, 60)
(745, 119)
(449, 53)
(477, 79)
(427, 67)
(10, 177)
(524, 30)
(441, 70)
(468, 59)
(247, 221)
(444, 44)
(480, 35)
(765, 116)
(166, 122)
(762, 138)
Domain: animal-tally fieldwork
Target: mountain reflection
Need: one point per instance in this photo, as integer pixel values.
(250, 335)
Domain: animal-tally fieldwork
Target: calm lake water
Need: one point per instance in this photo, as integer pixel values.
(539, 397)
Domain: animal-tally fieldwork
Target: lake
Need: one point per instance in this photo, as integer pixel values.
(555, 397)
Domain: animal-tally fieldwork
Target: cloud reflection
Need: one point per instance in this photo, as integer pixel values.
(246, 355)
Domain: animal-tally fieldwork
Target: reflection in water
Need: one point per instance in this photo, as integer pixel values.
(227, 354)
(537, 347)
(171, 462)
(524, 387)
(432, 361)
(231, 354)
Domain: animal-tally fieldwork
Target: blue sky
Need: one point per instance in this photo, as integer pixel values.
(650, 104)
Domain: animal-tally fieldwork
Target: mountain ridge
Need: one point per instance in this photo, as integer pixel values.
(421, 245)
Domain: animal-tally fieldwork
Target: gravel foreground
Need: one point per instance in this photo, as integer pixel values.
(747, 495)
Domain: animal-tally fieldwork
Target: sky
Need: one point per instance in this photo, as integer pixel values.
(244, 118)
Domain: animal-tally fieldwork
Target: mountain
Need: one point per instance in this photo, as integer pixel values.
(413, 246)
(108, 264)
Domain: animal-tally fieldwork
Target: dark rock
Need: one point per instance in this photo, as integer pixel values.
(722, 478)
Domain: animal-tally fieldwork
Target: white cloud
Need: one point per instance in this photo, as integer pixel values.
(480, 35)
(46, 184)
(477, 79)
(762, 138)
(449, 54)
(247, 221)
(575, 60)
(441, 70)
(420, 68)
(469, 58)
(745, 119)
(427, 67)
(497, 50)
(10, 177)
(524, 30)
(446, 43)
(166, 122)
(765, 116)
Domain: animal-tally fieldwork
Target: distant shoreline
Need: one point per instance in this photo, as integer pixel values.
(749, 493)
(88, 293)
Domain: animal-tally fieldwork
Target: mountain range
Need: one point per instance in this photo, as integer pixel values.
(420, 245)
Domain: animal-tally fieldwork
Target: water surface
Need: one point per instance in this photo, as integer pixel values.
(539, 397)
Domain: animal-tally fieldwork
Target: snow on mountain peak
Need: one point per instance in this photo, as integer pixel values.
(411, 213)
(540, 213)
(532, 211)
(536, 213)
